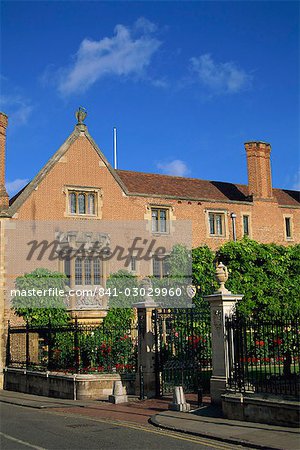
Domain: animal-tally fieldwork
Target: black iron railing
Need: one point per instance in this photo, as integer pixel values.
(73, 348)
(264, 355)
(182, 349)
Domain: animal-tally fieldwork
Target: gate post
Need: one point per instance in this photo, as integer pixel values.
(222, 304)
(146, 341)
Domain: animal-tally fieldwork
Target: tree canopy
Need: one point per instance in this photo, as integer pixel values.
(268, 275)
(40, 309)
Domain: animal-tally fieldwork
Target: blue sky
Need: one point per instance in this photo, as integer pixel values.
(185, 83)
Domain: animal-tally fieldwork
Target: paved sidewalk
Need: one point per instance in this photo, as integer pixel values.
(208, 422)
(36, 401)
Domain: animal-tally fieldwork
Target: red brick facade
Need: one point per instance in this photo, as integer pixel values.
(212, 208)
(127, 195)
(4, 200)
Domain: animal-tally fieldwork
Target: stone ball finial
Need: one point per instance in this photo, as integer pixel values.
(221, 276)
(80, 115)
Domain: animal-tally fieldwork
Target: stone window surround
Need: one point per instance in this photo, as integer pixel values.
(225, 214)
(75, 240)
(170, 218)
(84, 189)
(288, 216)
(83, 267)
(249, 214)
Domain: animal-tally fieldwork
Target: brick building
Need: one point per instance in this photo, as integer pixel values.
(79, 187)
(78, 198)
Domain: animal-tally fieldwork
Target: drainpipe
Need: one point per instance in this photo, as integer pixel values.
(233, 217)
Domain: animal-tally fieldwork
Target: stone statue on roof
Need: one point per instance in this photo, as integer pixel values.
(80, 115)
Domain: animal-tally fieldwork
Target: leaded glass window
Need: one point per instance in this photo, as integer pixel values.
(87, 271)
(78, 271)
(73, 201)
(91, 203)
(81, 204)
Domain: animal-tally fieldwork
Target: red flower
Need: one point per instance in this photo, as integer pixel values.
(278, 341)
(260, 343)
(120, 366)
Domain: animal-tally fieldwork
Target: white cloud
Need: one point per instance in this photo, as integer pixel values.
(176, 167)
(127, 53)
(219, 78)
(14, 186)
(17, 107)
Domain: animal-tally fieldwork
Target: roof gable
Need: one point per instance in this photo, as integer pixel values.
(80, 130)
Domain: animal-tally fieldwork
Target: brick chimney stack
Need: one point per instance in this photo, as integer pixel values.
(259, 169)
(4, 199)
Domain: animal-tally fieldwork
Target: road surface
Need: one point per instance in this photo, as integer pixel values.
(28, 428)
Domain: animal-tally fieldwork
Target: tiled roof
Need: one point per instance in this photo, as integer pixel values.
(151, 184)
(286, 197)
(11, 200)
(193, 188)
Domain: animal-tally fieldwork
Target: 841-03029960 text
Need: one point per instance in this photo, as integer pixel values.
(133, 292)
(100, 291)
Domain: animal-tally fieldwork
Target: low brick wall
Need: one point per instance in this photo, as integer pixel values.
(74, 387)
(275, 410)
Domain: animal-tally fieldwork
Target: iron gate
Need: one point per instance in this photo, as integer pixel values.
(182, 349)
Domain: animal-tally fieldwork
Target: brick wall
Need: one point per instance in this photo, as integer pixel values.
(3, 193)
(82, 166)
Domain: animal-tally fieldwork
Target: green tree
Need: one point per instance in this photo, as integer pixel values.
(267, 274)
(172, 289)
(180, 262)
(40, 309)
(120, 312)
(203, 274)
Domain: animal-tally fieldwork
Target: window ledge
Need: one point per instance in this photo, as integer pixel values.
(82, 216)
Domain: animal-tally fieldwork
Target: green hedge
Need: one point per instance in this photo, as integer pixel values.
(268, 275)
